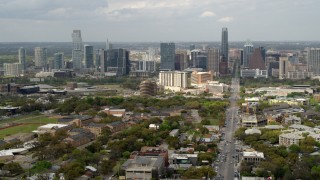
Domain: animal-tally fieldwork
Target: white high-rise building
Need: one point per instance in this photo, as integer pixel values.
(12, 69)
(40, 57)
(174, 79)
(314, 61)
(77, 50)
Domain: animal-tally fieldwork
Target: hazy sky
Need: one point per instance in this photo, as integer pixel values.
(159, 20)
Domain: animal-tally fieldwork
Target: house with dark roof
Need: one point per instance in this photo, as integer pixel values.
(79, 136)
(76, 120)
(96, 128)
(116, 126)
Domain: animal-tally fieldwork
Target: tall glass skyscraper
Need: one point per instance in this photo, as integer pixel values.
(58, 61)
(224, 44)
(77, 50)
(22, 58)
(247, 52)
(167, 52)
(88, 56)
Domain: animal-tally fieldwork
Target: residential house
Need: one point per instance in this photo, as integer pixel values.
(116, 126)
(96, 128)
(78, 137)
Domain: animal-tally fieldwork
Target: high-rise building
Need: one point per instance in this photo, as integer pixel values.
(88, 56)
(167, 52)
(174, 79)
(213, 60)
(77, 49)
(97, 62)
(22, 58)
(12, 69)
(40, 57)
(117, 61)
(192, 47)
(181, 60)
(58, 60)
(313, 56)
(247, 52)
(256, 59)
(224, 44)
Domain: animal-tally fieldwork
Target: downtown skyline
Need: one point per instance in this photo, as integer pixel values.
(151, 21)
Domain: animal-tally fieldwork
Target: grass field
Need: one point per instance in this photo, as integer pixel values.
(25, 128)
(30, 119)
(18, 129)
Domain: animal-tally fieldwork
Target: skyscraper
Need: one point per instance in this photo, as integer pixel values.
(88, 56)
(58, 60)
(181, 60)
(167, 52)
(77, 49)
(22, 58)
(117, 61)
(12, 69)
(224, 44)
(314, 60)
(247, 52)
(256, 59)
(40, 57)
(213, 60)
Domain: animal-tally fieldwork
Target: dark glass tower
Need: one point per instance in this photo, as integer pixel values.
(167, 52)
(224, 44)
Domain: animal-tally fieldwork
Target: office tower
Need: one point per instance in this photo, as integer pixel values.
(167, 52)
(247, 52)
(12, 69)
(194, 54)
(77, 49)
(22, 58)
(213, 60)
(224, 44)
(256, 59)
(117, 61)
(88, 56)
(283, 67)
(97, 59)
(192, 47)
(58, 60)
(313, 56)
(201, 61)
(181, 60)
(241, 56)
(40, 57)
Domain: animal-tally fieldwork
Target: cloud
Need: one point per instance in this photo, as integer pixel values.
(226, 19)
(207, 14)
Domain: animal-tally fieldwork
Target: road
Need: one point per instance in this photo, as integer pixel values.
(228, 158)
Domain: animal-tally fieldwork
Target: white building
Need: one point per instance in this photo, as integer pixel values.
(40, 57)
(77, 50)
(314, 60)
(252, 156)
(174, 79)
(254, 73)
(12, 69)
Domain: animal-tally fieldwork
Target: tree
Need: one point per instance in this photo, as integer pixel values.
(13, 167)
(198, 173)
(106, 166)
(40, 167)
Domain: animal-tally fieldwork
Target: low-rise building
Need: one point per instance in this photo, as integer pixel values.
(252, 156)
(115, 112)
(96, 128)
(143, 168)
(288, 139)
(248, 120)
(116, 126)
(51, 128)
(252, 131)
(174, 133)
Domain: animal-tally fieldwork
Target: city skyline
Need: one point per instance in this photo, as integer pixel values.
(152, 21)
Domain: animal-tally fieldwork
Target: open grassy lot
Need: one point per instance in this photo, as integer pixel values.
(18, 129)
(30, 119)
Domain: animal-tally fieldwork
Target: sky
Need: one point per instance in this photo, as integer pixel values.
(159, 20)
